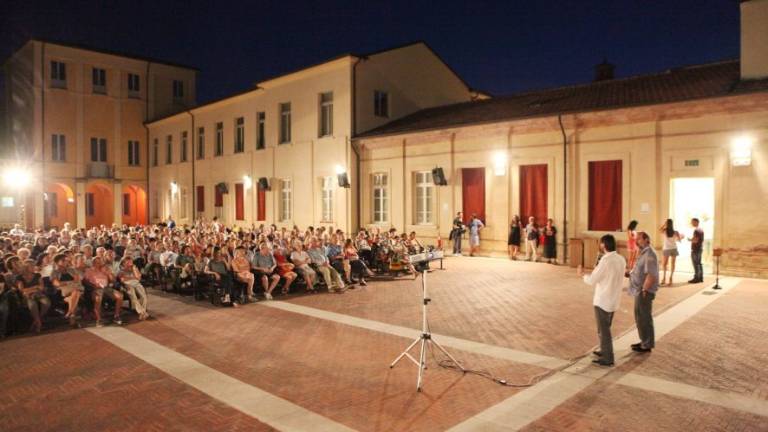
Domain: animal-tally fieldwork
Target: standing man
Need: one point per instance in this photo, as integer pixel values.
(531, 239)
(697, 243)
(607, 278)
(475, 225)
(643, 284)
(456, 233)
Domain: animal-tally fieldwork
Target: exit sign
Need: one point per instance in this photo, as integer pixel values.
(692, 163)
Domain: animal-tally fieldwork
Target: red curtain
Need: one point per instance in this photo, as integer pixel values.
(239, 202)
(605, 198)
(200, 199)
(219, 197)
(262, 204)
(533, 193)
(473, 193)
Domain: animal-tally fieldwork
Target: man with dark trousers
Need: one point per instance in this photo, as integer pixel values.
(456, 233)
(697, 243)
(607, 278)
(643, 284)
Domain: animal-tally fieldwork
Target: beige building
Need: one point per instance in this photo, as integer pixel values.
(683, 143)
(74, 121)
(272, 154)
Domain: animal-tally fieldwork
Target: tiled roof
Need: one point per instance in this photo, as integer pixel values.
(674, 85)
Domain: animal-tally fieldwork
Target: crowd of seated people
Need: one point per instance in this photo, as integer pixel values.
(82, 275)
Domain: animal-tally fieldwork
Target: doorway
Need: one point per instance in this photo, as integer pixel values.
(693, 198)
(473, 193)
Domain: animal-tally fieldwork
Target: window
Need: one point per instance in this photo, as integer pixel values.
(326, 114)
(239, 135)
(52, 203)
(219, 139)
(133, 153)
(380, 103)
(6, 202)
(126, 204)
(90, 207)
(286, 200)
(200, 143)
(183, 203)
(99, 80)
(169, 150)
(424, 193)
(327, 197)
(98, 149)
(285, 123)
(380, 204)
(200, 200)
(261, 201)
(178, 89)
(155, 152)
(183, 149)
(605, 195)
(59, 148)
(239, 202)
(58, 74)
(133, 85)
(260, 124)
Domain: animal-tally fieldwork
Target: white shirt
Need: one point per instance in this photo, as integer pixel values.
(608, 278)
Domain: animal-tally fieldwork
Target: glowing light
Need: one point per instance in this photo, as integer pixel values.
(70, 200)
(500, 163)
(339, 169)
(174, 187)
(247, 182)
(16, 177)
(741, 151)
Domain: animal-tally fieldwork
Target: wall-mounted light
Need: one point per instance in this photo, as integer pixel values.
(174, 187)
(341, 175)
(247, 182)
(500, 163)
(741, 151)
(16, 177)
(339, 169)
(70, 200)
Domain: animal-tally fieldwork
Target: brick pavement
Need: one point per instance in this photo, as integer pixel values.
(530, 307)
(74, 381)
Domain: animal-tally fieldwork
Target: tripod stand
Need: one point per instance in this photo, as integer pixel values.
(425, 339)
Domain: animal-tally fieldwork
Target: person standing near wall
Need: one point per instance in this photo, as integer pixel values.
(475, 225)
(643, 285)
(669, 250)
(632, 243)
(531, 240)
(513, 242)
(697, 246)
(550, 242)
(456, 233)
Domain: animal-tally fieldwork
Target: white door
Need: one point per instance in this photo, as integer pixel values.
(693, 198)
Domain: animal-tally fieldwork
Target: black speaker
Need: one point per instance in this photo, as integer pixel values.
(222, 188)
(343, 180)
(264, 183)
(438, 178)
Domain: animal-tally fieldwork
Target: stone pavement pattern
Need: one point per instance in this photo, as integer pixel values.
(340, 371)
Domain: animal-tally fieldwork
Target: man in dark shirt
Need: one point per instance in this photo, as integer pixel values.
(697, 245)
(456, 233)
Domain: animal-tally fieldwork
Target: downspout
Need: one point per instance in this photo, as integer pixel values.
(42, 135)
(193, 155)
(353, 116)
(146, 129)
(565, 188)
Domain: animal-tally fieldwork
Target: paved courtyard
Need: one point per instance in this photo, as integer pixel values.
(320, 362)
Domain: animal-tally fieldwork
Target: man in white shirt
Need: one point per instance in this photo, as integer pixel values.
(607, 278)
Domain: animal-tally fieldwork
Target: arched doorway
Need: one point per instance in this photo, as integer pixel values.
(99, 205)
(59, 206)
(134, 205)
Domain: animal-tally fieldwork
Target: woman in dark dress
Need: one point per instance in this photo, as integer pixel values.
(513, 243)
(550, 242)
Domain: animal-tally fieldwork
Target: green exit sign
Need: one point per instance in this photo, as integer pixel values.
(692, 163)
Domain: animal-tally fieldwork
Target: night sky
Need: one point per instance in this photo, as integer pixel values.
(499, 47)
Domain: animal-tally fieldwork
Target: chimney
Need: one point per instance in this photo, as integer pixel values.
(754, 39)
(604, 71)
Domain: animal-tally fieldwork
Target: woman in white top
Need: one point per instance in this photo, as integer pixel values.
(669, 250)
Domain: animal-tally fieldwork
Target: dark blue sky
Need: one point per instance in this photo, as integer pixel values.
(501, 47)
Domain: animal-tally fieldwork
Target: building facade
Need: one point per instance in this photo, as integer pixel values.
(75, 127)
(273, 154)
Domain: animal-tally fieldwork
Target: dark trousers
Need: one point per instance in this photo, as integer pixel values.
(5, 310)
(604, 320)
(698, 269)
(457, 243)
(644, 319)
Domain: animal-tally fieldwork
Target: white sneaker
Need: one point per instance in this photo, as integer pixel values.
(268, 296)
